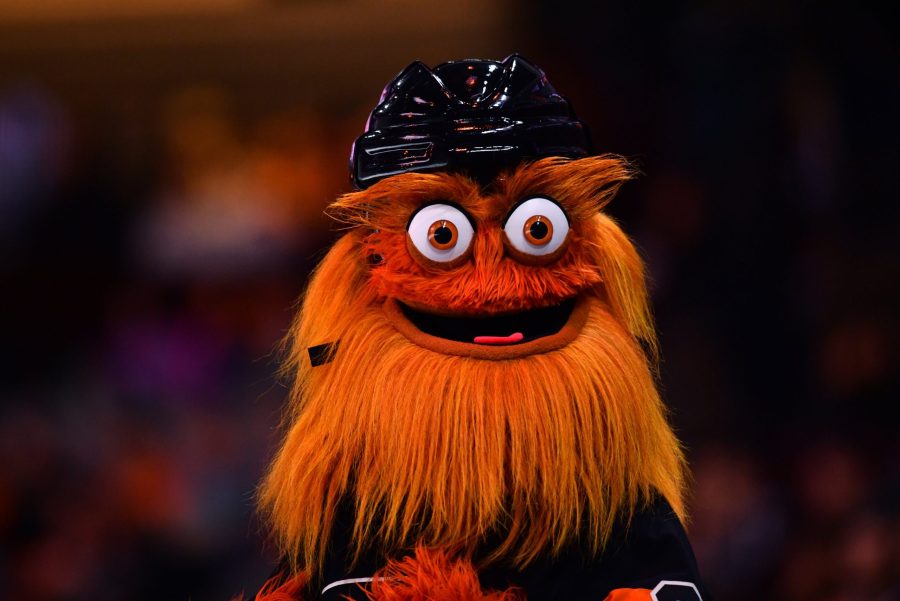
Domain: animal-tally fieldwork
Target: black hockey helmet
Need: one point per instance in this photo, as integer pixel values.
(473, 116)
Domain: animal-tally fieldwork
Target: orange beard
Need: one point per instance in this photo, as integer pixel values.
(444, 450)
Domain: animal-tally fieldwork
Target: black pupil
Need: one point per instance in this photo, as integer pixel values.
(538, 230)
(443, 235)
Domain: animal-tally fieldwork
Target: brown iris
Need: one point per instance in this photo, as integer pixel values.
(443, 234)
(538, 230)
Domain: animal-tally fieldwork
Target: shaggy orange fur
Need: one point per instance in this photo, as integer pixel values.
(279, 589)
(432, 575)
(447, 450)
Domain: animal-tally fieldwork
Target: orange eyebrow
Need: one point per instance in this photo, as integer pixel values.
(388, 204)
(582, 186)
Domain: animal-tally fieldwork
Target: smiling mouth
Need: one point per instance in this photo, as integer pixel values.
(503, 336)
(508, 328)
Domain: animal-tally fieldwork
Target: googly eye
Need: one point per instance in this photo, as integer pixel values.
(537, 227)
(440, 233)
(443, 235)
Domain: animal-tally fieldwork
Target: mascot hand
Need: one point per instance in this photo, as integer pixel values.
(432, 574)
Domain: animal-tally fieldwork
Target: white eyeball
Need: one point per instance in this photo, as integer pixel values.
(538, 226)
(440, 232)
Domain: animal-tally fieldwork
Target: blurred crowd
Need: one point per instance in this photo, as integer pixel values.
(140, 403)
(145, 298)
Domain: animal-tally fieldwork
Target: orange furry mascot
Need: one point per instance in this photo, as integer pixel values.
(474, 413)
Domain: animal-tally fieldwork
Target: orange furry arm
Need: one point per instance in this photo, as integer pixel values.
(629, 594)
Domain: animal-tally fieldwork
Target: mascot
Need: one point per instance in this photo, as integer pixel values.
(473, 411)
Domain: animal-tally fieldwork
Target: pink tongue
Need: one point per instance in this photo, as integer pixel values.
(511, 339)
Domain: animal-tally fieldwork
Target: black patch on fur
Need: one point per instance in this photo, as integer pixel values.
(321, 354)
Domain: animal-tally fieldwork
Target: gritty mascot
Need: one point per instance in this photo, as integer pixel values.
(473, 411)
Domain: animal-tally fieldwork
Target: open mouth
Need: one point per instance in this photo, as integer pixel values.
(497, 330)
(503, 336)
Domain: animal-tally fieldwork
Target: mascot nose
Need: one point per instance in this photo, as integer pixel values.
(488, 251)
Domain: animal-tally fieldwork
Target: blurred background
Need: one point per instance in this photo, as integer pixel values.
(163, 170)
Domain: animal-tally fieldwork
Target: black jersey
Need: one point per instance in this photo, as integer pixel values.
(650, 552)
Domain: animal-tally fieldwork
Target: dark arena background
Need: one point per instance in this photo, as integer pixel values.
(163, 170)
